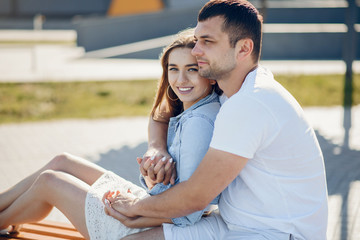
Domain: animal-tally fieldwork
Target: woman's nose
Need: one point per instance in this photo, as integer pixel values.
(182, 77)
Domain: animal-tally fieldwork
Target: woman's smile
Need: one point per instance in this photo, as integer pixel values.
(185, 90)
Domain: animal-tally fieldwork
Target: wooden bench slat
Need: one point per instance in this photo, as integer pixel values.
(46, 230)
(54, 224)
(50, 230)
(34, 236)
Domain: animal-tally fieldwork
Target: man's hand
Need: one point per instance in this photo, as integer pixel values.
(128, 222)
(159, 171)
(121, 203)
(109, 210)
(156, 153)
(113, 201)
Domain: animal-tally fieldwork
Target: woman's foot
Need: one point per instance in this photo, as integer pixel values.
(10, 230)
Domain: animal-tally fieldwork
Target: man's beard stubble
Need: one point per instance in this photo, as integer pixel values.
(216, 72)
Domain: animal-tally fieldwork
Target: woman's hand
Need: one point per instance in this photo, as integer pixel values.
(120, 202)
(113, 201)
(156, 153)
(157, 170)
(153, 156)
(127, 221)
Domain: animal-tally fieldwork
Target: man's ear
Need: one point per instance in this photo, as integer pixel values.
(212, 82)
(244, 48)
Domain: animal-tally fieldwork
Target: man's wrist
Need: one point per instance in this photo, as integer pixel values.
(134, 208)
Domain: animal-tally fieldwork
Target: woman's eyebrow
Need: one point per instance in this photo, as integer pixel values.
(192, 65)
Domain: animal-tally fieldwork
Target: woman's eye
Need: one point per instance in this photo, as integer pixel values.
(193, 70)
(172, 69)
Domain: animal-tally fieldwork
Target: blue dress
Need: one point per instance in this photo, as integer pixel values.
(188, 140)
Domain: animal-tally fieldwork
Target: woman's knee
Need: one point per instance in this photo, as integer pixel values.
(59, 162)
(46, 179)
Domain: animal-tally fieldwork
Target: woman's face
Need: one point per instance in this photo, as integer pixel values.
(184, 78)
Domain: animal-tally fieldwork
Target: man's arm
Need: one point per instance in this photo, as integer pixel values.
(137, 222)
(216, 171)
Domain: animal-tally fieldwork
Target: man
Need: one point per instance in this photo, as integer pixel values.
(263, 157)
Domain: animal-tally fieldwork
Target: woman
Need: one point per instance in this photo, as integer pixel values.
(76, 186)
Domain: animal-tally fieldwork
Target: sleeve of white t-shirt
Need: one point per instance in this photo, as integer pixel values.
(243, 126)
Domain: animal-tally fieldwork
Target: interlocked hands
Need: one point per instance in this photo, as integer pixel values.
(157, 166)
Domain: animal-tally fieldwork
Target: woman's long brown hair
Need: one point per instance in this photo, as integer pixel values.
(172, 107)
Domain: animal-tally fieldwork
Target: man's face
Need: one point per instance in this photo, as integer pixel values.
(215, 57)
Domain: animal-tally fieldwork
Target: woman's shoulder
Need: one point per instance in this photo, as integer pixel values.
(208, 108)
(206, 111)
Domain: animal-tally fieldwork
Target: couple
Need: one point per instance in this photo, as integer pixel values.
(263, 157)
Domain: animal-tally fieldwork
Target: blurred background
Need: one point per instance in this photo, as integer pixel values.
(319, 30)
(80, 76)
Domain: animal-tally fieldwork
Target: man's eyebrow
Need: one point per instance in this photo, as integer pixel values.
(206, 36)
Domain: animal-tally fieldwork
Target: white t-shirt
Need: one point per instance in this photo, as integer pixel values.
(283, 185)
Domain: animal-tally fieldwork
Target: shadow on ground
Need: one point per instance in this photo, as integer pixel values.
(123, 161)
(342, 169)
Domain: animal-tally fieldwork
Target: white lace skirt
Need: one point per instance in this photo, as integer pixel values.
(100, 225)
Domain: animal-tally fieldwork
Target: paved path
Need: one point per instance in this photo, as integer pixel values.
(114, 144)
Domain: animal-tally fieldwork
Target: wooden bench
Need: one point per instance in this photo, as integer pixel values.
(46, 230)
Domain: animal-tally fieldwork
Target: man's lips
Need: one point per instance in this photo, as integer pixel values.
(201, 62)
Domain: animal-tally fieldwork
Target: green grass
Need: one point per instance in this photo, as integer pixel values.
(46, 101)
(320, 90)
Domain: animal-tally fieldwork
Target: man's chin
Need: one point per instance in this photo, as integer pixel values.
(205, 74)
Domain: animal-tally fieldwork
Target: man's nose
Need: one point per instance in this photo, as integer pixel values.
(196, 51)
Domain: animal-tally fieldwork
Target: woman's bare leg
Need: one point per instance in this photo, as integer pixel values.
(76, 166)
(51, 188)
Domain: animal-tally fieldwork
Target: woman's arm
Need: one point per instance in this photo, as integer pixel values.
(157, 137)
(157, 131)
(157, 149)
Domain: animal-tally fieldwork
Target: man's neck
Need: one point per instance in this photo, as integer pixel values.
(235, 80)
